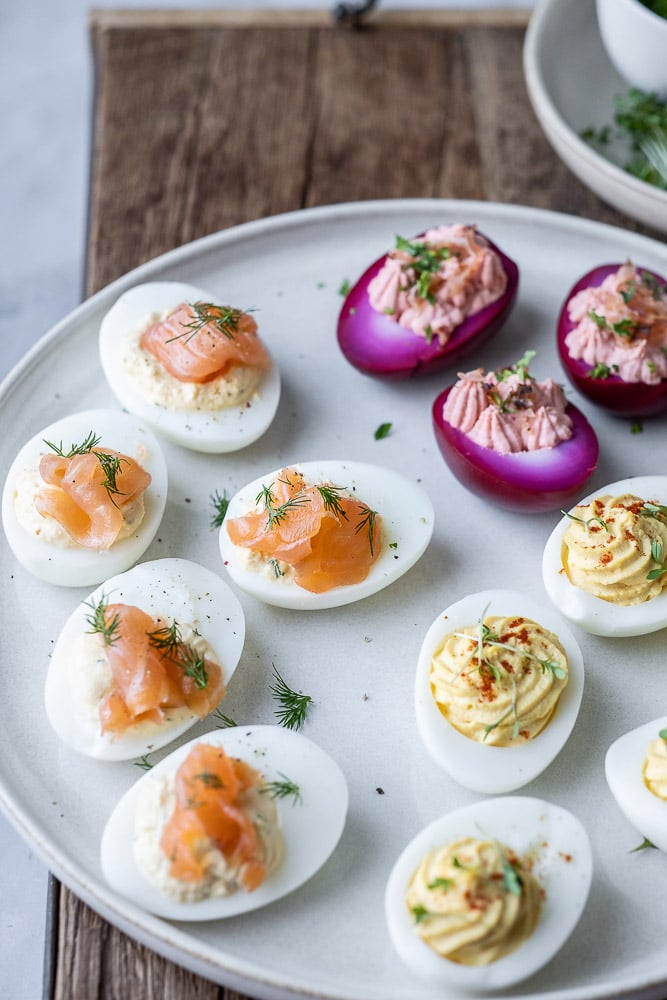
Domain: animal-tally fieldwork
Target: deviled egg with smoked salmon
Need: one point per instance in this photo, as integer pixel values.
(226, 824)
(190, 365)
(144, 657)
(84, 498)
(323, 534)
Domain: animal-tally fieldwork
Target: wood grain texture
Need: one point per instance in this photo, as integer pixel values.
(206, 120)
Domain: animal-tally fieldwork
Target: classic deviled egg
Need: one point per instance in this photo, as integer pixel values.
(84, 498)
(144, 657)
(483, 897)
(192, 367)
(498, 688)
(636, 772)
(514, 440)
(605, 563)
(427, 303)
(612, 338)
(322, 534)
(256, 820)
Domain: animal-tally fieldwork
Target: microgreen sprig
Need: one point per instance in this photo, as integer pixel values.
(658, 556)
(587, 521)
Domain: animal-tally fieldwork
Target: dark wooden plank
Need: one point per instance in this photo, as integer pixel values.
(205, 120)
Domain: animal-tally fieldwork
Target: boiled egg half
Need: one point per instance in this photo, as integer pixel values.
(79, 676)
(480, 766)
(561, 860)
(594, 614)
(406, 526)
(39, 542)
(624, 772)
(311, 822)
(189, 416)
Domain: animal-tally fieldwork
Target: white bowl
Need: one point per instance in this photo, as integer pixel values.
(636, 42)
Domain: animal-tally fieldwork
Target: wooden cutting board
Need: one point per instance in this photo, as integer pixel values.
(203, 120)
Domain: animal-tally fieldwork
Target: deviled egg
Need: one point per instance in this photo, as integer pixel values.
(301, 820)
(322, 534)
(438, 906)
(514, 440)
(605, 564)
(498, 688)
(144, 657)
(636, 771)
(84, 498)
(427, 303)
(194, 369)
(612, 338)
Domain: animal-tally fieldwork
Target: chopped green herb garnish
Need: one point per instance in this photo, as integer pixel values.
(636, 427)
(663, 734)
(420, 913)
(167, 639)
(86, 446)
(278, 512)
(642, 847)
(425, 262)
(368, 519)
(344, 287)
(441, 883)
(658, 556)
(331, 499)
(209, 779)
(193, 666)
(382, 431)
(602, 371)
(393, 545)
(627, 294)
(277, 572)
(143, 763)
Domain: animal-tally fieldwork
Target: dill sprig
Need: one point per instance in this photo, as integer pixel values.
(98, 621)
(220, 505)
(193, 665)
(367, 521)
(275, 512)
(223, 319)
(167, 639)
(209, 779)
(143, 762)
(89, 442)
(225, 721)
(111, 467)
(282, 789)
(293, 705)
(330, 498)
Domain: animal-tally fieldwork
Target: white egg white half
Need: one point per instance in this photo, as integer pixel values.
(490, 769)
(173, 589)
(623, 770)
(564, 868)
(407, 525)
(592, 613)
(78, 566)
(311, 827)
(207, 431)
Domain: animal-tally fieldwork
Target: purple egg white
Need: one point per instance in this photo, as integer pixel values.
(625, 399)
(527, 481)
(377, 345)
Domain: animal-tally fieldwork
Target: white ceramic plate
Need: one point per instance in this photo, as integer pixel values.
(357, 662)
(572, 84)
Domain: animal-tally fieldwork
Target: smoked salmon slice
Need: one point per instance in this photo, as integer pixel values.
(201, 341)
(330, 539)
(152, 670)
(209, 807)
(89, 493)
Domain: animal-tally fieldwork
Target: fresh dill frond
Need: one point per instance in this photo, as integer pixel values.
(226, 722)
(98, 621)
(276, 513)
(193, 666)
(331, 500)
(167, 638)
(223, 319)
(143, 763)
(292, 705)
(282, 789)
(89, 442)
(111, 467)
(209, 779)
(367, 521)
(220, 505)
